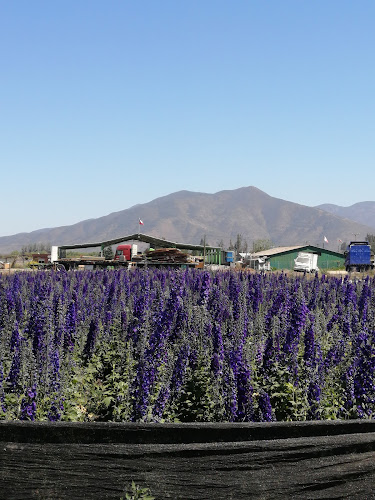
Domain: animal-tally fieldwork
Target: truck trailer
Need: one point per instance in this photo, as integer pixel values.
(125, 256)
(358, 256)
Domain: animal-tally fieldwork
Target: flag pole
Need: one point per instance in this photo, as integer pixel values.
(140, 223)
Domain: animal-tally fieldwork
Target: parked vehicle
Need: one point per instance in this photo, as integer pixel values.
(260, 263)
(306, 262)
(228, 256)
(358, 256)
(125, 252)
(59, 260)
(125, 256)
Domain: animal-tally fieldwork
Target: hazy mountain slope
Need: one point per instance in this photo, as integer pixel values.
(188, 216)
(363, 212)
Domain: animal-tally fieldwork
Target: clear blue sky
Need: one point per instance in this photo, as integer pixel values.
(104, 105)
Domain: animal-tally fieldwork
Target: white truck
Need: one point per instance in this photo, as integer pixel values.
(306, 262)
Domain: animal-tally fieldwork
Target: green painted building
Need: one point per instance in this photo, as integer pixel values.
(283, 257)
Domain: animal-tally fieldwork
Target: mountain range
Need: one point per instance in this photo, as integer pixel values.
(363, 212)
(187, 216)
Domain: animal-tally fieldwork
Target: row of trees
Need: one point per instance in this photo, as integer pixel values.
(36, 247)
(241, 245)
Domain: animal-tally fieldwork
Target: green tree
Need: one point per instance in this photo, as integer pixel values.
(238, 244)
(108, 253)
(343, 246)
(259, 245)
(371, 239)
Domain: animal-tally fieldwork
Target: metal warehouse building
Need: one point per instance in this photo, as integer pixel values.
(283, 257)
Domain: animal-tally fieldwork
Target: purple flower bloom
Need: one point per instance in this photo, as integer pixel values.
(28, 404)
(265, 408)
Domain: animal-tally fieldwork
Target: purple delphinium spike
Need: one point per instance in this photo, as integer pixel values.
(265, 407)
(364, 300)
(91, 339)
(69, 329)
(218, 350)
(15, 338)
(180, 369)
(28, 404)
(313, 397)
(14, 372)
(364, 375)
(309, 341)
(298, 319)
(56, 407)
(244, 393)
(2, 400)
(234, 292)
(160, 403)
(205, 288)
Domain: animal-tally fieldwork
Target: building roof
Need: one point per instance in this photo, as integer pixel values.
(279, 250)
(145, 238)
(274, 251)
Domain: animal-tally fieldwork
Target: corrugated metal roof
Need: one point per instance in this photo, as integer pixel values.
(145, 238)
(275, 251)
(279, 250)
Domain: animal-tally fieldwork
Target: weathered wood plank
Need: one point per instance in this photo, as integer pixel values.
(308, 467)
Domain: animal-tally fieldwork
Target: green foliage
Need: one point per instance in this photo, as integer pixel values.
(41, 247)
(72, 253)
(288, 400)
(343, 246)
(371, 239)
(9, 409)
(136, 492)
(333, 400)
(240, 245)
(108, 253)
(32, 264)
(259, 245)
(195, 402)
(76, 396)
(101, 391)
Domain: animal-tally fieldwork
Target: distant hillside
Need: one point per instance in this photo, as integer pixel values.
(363, 212)
(187, 216)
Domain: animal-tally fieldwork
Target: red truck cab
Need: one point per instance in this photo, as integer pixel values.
(123, 252)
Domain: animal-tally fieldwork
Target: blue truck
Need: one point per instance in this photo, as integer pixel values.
(358, 256)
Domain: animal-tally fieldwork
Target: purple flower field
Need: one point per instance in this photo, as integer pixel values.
(167, 346)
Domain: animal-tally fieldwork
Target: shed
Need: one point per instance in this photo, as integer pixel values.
(41, 258)
(283, 257)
